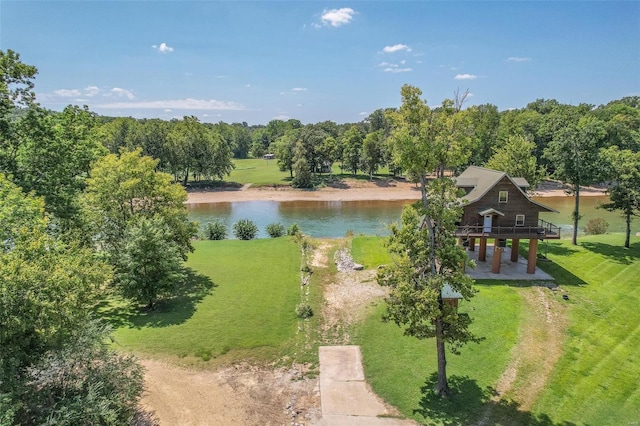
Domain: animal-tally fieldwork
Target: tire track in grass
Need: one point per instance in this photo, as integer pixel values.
(539, 347)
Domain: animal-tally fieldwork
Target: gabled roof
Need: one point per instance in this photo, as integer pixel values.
(490, 211)
(482, 180)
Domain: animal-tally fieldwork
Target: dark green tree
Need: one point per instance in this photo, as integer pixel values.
(149, 265)
(574, 152)
(623, 169)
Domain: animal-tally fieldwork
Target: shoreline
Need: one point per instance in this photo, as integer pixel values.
(350, 191)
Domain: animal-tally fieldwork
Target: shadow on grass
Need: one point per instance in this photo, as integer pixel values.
(620, 254)
(172, 310)
(469, 404)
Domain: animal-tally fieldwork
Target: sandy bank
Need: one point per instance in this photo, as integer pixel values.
(347, 191)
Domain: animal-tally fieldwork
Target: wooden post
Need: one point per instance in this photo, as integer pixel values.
(497, 258)
(515, 243)
(472, 244)
(533, 255)
(482, 253)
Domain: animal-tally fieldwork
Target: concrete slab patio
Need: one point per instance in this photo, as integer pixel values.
(508, 270)
(345, 397)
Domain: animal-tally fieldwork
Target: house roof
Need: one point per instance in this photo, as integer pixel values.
(490, 211)
(449, 293)
(482, 180)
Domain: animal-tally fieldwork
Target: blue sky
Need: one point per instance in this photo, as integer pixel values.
(315, 61)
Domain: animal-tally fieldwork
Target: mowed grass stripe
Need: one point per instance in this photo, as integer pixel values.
(596, 381)
(251, 307)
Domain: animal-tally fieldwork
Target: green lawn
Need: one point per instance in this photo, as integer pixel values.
(245, 307)
(401, 369)
(369, 251)
(596, 380)
(259, 172)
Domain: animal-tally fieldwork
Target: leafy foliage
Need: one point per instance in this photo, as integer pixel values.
(84, 382)
(516, 158)
(293, 230)
(245, 229)
(215, 230)
(304, 311)
(149, 265)
(596, 226)
(275, 230)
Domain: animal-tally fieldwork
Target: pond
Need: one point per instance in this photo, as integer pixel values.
(332, 219)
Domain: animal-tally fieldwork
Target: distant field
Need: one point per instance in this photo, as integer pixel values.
(245, 311)
(259, 172)
(595, 381)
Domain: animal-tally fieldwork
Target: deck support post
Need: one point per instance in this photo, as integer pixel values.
(496, 259)
(515, 243)
(482, 253)
(533, 255)
(472, 244)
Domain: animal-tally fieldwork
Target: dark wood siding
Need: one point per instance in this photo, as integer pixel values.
(517, 203)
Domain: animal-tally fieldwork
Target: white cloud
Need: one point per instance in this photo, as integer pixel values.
(122, 93)
(465, 77)
(337, 17)
(282, 117)
(385, 64)
(189, 103)
(396, 48)
(247, 86)
(364, 113)
(67, 93)
(163, 48)
(398, 70)
(91, 91)
(299, 89)
(518, 59)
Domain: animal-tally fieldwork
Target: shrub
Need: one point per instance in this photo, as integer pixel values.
(245, 229)
(304, 311)
(293, 230)
(596, 226)
(306, 269)
(215, 230)
(275, 230)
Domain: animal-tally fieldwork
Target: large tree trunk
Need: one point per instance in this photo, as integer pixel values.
(576, 215)
(442, 387)
(628, 235)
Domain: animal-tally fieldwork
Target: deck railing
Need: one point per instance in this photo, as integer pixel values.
(543, 230)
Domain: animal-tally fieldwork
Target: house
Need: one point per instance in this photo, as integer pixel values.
(496, 206)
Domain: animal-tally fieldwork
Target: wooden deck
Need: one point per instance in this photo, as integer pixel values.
(544, 230)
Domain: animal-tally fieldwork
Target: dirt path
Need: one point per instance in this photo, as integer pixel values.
(539, 347)
(237, 395)
(251, 395)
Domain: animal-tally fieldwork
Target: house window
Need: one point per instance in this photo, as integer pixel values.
(503, 196)
(519, 220)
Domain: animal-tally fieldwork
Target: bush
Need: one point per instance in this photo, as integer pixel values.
(596, 226)
(293, 230)
(306, 269)
(245, 229)
(215, 230)
(275, 230)
(304, 311)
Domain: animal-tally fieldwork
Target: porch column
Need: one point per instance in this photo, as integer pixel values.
(533, 255)
(472, 244)
(495, 261)
(515, 243)
(482, 253)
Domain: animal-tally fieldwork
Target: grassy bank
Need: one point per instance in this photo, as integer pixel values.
(241, 306)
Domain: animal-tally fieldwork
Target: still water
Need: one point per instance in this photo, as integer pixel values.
(331, 219)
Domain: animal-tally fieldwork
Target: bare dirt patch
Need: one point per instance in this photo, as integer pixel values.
(236, 395)
(345, 296)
